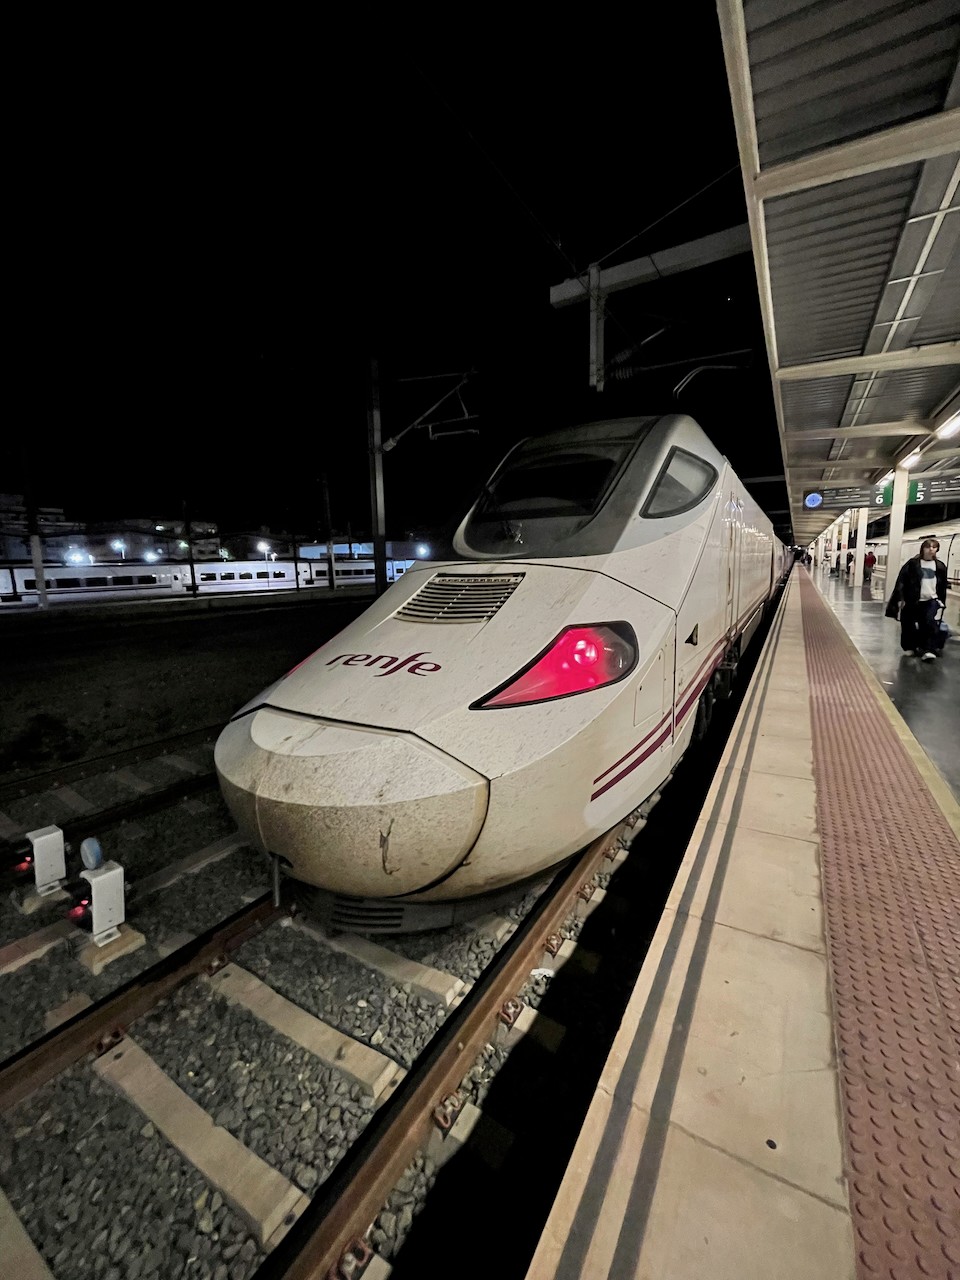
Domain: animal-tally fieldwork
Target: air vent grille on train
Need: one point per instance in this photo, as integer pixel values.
(450, 597)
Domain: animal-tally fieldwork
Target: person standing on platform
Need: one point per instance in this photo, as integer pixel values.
(920, 590)
(869, 560)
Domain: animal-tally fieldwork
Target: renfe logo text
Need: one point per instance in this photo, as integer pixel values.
(390, 665)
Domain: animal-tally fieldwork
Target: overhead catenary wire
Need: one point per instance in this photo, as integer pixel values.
(669, 214)
(555, 243)
(531, 214)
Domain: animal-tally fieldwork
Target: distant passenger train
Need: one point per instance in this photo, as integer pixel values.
(488, 716)
(105, 582)
(948, 535)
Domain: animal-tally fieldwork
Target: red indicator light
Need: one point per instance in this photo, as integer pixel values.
(580, 658)
(25, 865)
(75, 913)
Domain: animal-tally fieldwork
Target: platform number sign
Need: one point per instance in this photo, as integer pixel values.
(916, 492)
(847, 498)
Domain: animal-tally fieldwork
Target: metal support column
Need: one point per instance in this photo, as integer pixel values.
(901, 486)
(188, 536)
(863, 518)
(36, 549)
(331, 557)
(375, 447)
(844, 545)
(597, 313)
(36, 554)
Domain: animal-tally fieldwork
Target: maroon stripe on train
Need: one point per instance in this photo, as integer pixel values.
(684, 708)
(635, 747)
(658, 742)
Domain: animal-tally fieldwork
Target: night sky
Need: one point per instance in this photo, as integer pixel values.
(217, 232)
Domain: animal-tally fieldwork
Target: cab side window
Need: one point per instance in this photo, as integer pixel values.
(684, 481)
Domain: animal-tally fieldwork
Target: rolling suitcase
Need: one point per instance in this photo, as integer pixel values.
(940, 633)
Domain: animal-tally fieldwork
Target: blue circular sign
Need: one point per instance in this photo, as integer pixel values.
(813, 500)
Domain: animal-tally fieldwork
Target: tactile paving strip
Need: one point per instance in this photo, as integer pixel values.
(891, 881)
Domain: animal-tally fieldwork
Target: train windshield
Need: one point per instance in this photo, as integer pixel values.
(538, 484)
(555, 495)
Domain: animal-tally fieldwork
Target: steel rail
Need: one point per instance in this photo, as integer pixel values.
(350, 1199)
(98, 1028)
(49, 779)
(74, 829)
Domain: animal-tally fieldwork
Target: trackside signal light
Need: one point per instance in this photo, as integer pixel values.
(578, 660)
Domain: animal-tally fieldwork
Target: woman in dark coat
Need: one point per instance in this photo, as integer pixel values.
(920, 590)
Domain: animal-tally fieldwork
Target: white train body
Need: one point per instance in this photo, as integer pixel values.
(947, 534)
(606, 574)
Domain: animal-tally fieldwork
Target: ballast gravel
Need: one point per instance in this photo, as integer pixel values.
(202, 899)
(460, 951)
(405, 1201)
(192, 905)
(275, 1097)
(105, 1197)
(356, 1000)
(28, 993)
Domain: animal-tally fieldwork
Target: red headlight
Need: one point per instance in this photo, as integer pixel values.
(580, 658)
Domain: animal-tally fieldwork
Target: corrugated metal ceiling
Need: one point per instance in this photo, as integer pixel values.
(826, 73)
(856, 247)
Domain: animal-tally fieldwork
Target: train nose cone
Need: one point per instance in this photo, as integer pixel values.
(357, 811)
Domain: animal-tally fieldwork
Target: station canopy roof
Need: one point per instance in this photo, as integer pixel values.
(848, 126)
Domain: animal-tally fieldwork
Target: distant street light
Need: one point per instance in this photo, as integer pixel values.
(265, 548)
(423, 551)
(119, 545)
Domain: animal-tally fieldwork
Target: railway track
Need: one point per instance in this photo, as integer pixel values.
(391, 1092)
(28, 784)
(321, 1067)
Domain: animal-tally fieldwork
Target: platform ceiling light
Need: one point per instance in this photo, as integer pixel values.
(912, 460)
(159, 528)
(182, 545)
(949, 428)
(150, 556)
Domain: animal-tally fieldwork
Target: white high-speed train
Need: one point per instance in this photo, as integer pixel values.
(947, 534)
(488, 716)
(93, 583)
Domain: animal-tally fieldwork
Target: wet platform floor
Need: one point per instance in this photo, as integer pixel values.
(927, 694)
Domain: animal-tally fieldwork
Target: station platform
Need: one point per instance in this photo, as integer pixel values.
(927, 695)
(782, 1100)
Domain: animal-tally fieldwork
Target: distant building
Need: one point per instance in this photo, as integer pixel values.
(53, 525)
(99, 541)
